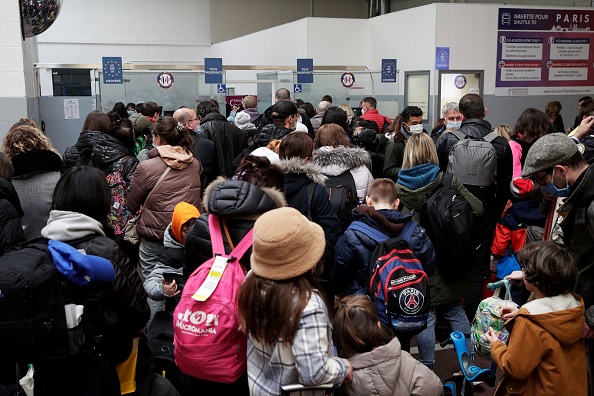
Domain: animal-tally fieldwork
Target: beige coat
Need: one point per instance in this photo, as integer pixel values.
(182, 183)
(389, 371)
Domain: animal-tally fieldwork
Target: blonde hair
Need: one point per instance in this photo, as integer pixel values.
(419, 150)
(273, 145)
(348, 110)
(25, 138)
(504, 130)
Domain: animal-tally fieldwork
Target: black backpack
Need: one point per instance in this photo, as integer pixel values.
(450, 224)
(33, 294)
(343, 197)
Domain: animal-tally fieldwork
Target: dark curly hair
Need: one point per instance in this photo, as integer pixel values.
(260, 172)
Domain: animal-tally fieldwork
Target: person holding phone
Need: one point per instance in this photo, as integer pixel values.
(164, 280)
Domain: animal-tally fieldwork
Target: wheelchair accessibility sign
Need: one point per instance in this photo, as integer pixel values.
(297, 88)
(221, 88)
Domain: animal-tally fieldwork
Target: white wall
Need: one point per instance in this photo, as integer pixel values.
(408, 36)
(175, 31)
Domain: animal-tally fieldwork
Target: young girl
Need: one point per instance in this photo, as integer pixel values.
(545, 355)
(290, 336)
(378, 362)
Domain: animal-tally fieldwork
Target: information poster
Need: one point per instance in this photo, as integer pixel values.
(544, 52)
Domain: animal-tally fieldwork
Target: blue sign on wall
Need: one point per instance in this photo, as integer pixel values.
(213, 70)
(112, 70)
(388, 70)
(305, 71)
(442, 58)
(297, 88)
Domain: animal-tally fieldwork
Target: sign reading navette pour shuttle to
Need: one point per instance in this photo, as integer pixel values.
(544, 52)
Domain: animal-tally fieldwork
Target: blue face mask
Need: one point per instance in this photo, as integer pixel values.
(453, 124)
(553, 190)
(130, 112)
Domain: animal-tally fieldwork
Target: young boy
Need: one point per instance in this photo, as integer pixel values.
(545, 355)
(160, 288)
(354, 248)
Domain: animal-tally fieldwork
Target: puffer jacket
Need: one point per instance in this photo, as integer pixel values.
(229, 142)
(86, 140)
(11, 231)
(239, 204)
(182, 183)
(421, 180)
(271, 132)
(299, 174)
(390, 371)
(172, 260)
(496, 197)
(107, 151)
(335, 161)
(354, 248)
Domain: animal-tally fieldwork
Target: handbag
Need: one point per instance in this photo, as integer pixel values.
(507, 264)
(130, 231)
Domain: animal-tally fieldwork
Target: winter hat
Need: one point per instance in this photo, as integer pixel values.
(141, 122)
(78, 267)
(284, 109)
(520, 187)
(182, 212)
(242, 121)
(286, 244)
(367, 136)
(548, 151)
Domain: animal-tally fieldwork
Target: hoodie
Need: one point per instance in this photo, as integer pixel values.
(545, 354)
(171, 260)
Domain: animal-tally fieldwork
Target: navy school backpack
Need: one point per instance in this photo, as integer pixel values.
(397, 282)
(450, 224)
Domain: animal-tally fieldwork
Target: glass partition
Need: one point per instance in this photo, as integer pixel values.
(187, 89)
(331, 83)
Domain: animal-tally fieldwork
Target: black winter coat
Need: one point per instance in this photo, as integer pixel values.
(496, 198)
(300, 174)
(107, 151)
(228, 141)
(271, 132)
(239, 203)
(11, 230)
(204, 150)
(86, 140)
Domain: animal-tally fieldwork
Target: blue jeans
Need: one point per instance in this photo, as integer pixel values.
(455, 315)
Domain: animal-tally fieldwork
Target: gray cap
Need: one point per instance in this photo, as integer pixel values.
(548, 151)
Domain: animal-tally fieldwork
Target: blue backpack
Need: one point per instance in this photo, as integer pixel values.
(397, 282)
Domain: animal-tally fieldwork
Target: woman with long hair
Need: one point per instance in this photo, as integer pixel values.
(37, 167)
(281, 310)
(173, 160)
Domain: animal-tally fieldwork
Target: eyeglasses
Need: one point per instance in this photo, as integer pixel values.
(541, 180)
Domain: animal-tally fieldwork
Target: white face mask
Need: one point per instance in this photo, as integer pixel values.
(414, 129)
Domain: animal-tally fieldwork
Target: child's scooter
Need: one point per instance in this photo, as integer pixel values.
(462, 385)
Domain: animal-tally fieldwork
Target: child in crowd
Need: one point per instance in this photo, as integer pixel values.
(377, 359)
(158, 287)
(545, 355)
(354, 248)
(290, 335)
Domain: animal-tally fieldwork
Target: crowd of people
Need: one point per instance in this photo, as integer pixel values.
(318, 189)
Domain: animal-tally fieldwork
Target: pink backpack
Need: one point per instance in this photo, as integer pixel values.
(207, 339)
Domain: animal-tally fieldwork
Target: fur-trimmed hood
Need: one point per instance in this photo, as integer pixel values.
(237, 198)
(300, 166)
(337, 160)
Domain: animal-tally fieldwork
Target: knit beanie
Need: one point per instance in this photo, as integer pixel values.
(242, 121)
(182, 213)
(286, 244)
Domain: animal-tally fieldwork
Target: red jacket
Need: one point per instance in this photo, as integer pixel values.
(380, 120)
